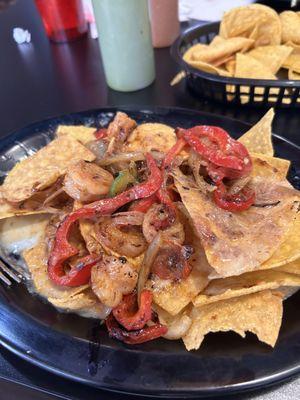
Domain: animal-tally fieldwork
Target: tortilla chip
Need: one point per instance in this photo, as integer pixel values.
(220, 50)
(21, 233)
(259, 138)
(290, 268)
(289, 250)
(293, 63)
(250, 282)
(83, 134)
(80, 299)
(151, 136)
(41, 170)
(259, 313)
(235, 243)
(217, 40)
(254, 21)
(273, 167)
(290, 22)
(293, 76)
(230, 66)
(209, 68)
(271, 56)
(7, 211)
(178, 325)
(188, 55)
(174, 296)
(87, 231)
(178, 78)
(249, 67)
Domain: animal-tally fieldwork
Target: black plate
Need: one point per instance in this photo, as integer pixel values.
(79, 349)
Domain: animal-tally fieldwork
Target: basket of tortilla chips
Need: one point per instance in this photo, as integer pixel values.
(251, 57)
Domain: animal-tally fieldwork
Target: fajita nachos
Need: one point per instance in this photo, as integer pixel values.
(161, 232)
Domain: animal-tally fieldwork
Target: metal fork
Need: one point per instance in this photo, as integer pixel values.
(11, 272)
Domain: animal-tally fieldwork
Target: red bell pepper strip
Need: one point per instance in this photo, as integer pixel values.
(134, 337)
(62, 249)
(234, 202)
(172, 153)
(143, 205)
(162, 195)
(127, 315)
(216, 146)
(101, 133)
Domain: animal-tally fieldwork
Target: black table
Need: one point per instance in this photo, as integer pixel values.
(41, 80)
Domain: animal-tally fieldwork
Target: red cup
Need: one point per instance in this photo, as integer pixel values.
(64, 20)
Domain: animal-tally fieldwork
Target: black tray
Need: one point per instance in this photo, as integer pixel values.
(80, 349)
(250, 92)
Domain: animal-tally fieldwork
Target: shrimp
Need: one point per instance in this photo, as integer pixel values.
(121, 127)
(127, 240)
(112, 278)
(159, 218)
(87, 182)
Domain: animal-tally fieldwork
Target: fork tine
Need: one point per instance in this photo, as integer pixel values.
(4, 279)
(19, 270)
(9, 272)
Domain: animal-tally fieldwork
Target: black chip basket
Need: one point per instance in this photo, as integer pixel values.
(252, 92)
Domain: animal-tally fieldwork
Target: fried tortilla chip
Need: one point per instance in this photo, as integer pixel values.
(178, 78)
(289, 250)
(219, 50)
(83, 134)
(292, 63)
(271, 56)
(235, 243)
(23, 232)
(259, 138)
(273, 167)
(290, 22)
(41, 170)
(259, 313)
(188, 55)
(178, 325)
(254, 21)
(250, 282)
(80, 299)
(291, 268)
(151, 136)
(175, 296)
(249, 67)
(8, 211)
(217, 40)
(293, 76)
(230, 66)
(209, 68)
(87, 231)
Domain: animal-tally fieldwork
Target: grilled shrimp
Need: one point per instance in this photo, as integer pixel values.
(159, 217)
(127, 240)
(87, 182)
(111, 278)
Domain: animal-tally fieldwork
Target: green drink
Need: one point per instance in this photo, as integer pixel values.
(125, 43)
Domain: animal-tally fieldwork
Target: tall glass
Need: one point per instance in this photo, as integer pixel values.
(125, 43)
(63, 20)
